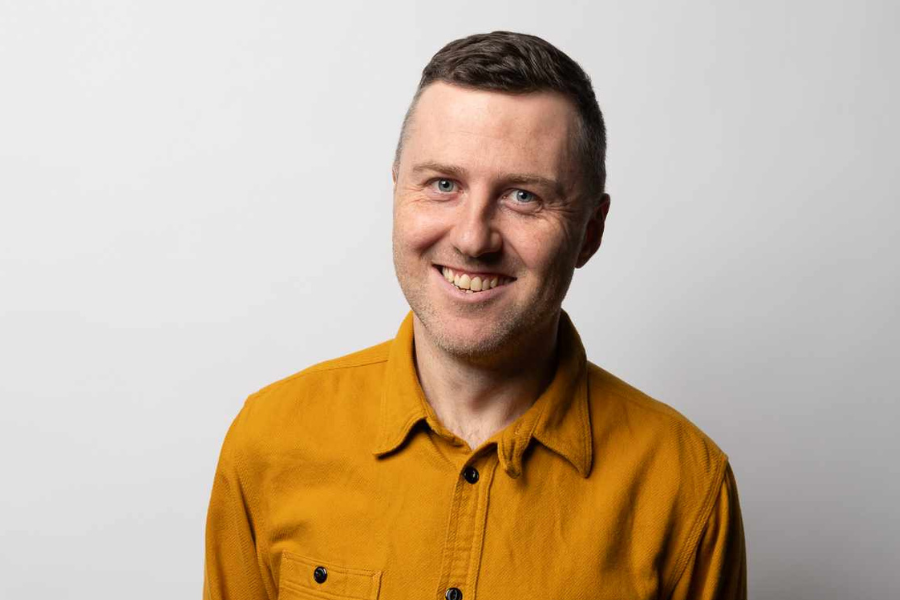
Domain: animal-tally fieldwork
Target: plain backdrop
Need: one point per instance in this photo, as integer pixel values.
(195, 201)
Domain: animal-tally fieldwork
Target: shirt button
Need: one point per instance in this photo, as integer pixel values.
(453, 594)
(320, 574)
(471, 475)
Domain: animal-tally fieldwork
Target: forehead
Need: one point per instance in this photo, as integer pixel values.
(493, 131)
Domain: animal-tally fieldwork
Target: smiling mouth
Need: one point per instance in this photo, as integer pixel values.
(473, 282)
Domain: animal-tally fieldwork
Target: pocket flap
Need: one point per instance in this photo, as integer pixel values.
(340, 582)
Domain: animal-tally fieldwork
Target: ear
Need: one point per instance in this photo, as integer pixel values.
(394, 168)
(593, 232)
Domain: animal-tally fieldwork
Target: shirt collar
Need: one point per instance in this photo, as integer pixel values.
(559, 419)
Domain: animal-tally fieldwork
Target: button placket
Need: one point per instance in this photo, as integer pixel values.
(461, 560)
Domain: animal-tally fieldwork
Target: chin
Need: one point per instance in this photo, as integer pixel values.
(453, 336)
(468, 348)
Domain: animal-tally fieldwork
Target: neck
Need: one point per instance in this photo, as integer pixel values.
(475, 399)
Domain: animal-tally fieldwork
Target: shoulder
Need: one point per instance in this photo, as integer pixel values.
(654, 437)
(353, 365)
(672, 469)
(622, 406)
(328, 394)
(349, 365)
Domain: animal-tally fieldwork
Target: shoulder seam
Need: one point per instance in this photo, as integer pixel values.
(661, 408)
(653, 407)
(319, 368)
(693, 539)
(649, 406)
(333, 367)
(240, 469)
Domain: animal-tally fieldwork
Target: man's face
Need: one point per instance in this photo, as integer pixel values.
(487, 187)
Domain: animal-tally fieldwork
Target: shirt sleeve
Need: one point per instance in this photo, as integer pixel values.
(718, 568)
(232, 569)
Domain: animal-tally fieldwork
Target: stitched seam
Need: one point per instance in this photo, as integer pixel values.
(577, 459)
(393, 443)
(368, 574)
(703, 515)
(316, 593)
(587, 446)
(584, 417)
(314, 562)
(321, 368)
(673, 416)
(450, 543)
(651, 404)
(478, 554)
(562, 455)
(519, 446)
(254, 501)
(671, 412)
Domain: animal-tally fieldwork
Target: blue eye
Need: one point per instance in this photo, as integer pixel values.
(524, 197)
(445, 185)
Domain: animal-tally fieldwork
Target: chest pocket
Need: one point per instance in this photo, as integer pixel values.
(312, 579)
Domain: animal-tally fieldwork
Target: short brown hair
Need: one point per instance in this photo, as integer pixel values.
(518, 63)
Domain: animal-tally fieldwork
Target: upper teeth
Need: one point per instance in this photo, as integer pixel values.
(472, 283)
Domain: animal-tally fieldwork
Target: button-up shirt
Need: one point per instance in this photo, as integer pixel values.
(339, 482)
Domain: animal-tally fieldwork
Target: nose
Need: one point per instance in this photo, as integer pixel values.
(474, 233)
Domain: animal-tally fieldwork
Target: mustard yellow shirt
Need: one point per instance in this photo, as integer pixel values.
(339, 482)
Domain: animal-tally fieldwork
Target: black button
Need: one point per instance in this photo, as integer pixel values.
(453, 594)
(320, 574)
(471, 475)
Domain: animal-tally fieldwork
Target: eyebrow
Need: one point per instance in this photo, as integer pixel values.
(519, 178)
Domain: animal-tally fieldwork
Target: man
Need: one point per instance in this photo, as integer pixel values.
(478, 454)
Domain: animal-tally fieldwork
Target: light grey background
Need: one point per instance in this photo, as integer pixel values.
(196, 201)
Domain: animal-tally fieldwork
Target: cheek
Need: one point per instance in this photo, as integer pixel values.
(541, 247)
(417, 227)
